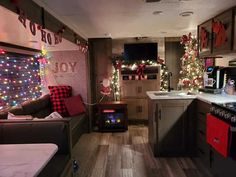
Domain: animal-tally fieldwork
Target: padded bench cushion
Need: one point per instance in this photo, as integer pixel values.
(56, 132)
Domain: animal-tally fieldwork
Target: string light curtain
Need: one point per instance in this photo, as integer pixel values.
(19, 79)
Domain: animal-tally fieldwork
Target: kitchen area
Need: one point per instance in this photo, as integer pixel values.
(201, 123)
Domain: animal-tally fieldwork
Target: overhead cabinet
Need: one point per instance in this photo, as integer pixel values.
(234, 29)
(205, 37)
(222, 32)
(170, 130)
(217, 35)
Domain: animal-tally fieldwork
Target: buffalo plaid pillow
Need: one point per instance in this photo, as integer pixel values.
(57, 95)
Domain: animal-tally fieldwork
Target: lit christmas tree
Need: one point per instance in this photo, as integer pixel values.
(191, 66)
(164, 77)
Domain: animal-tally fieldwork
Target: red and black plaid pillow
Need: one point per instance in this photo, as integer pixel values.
(58, 94)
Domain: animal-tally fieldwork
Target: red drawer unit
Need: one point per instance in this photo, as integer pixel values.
(218, 134)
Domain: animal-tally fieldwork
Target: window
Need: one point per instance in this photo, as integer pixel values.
(19, 79)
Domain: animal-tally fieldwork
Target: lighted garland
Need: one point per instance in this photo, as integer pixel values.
(164, 77)
(192, 67)
(19, 79)
(43, 60)
(138, 66)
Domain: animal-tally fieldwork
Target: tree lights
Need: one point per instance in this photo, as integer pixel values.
(19, 79)
(192, 67)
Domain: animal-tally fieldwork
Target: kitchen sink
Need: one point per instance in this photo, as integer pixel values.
(173, 94)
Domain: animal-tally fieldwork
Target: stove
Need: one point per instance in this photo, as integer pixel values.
(225, 112)
(222, 118)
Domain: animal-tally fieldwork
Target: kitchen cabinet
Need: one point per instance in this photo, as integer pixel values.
(211, 159)
(134, 92)
(216, 36)
(205, 38)
(222, 32)
(137, 108)
(203, 148)
(169, 126)
(234, 21)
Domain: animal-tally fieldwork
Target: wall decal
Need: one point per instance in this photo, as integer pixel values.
(46, 37)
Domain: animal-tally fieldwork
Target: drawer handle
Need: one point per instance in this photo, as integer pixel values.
(201, 132)
(216, 140)
(201, 151)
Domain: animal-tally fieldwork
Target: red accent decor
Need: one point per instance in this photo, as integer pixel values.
(220, 31)
(218, 134)
(74, 105)
(58, 94)
(140, 70)
(2, 51)
(159, 60)
(204, 38)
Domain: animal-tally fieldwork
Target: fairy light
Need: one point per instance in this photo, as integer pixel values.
(16, 73)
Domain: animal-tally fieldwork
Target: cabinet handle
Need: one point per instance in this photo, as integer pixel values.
(159, 114)
(156, 113)
(139, 89)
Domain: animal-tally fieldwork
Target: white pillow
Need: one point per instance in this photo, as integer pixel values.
(54, 115)
(11, 116)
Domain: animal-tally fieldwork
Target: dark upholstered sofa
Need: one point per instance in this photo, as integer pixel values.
(63, 132)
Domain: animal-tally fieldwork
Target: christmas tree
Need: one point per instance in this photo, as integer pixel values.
(191, 66)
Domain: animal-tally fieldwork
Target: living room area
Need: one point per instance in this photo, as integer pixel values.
(101, 90)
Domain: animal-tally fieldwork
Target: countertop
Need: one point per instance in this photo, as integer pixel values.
(206, 97)
(24, 160)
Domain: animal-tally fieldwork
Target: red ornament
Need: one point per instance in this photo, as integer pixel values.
(118, 64)
(2, 51)
(140, 70)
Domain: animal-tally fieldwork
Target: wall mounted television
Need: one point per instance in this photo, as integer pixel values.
(140, 51)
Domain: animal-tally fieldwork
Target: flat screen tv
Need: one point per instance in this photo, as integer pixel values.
(140, 51)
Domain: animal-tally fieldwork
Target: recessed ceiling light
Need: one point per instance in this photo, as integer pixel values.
(186, 14)
(163, 32)
(157, 12)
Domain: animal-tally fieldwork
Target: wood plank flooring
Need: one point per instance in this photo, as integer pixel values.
(127, 154)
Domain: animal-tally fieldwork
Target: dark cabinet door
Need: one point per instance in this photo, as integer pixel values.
(222, 26)
(203, 149)
(205, 38)
(172, 117)
(223, 167)
(234, 29)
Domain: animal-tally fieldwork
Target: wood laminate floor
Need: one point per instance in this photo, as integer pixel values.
(127, 154)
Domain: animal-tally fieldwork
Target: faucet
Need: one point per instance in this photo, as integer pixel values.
(168, 77)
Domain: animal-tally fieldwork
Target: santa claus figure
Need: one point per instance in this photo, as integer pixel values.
(105, 89)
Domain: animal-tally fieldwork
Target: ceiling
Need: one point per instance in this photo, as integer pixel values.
(133, 18)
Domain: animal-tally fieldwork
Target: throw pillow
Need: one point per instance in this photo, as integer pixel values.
(57, 97)
(74, 105)
(12, 116)
(54, 115)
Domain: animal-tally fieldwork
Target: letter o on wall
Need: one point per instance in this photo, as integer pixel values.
(64, 67)
(32, 28)
(49, 38)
